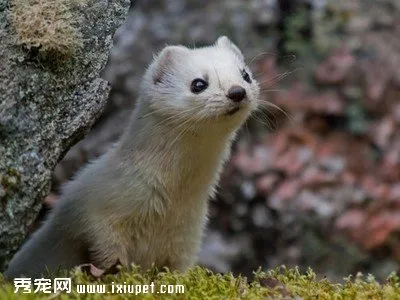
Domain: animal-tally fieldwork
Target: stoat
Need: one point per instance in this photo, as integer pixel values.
(145, 201)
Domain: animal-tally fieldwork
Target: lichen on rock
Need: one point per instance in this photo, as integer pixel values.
(47, 26)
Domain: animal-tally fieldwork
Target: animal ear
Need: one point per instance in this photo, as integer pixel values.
(225, 42)
(166, 61)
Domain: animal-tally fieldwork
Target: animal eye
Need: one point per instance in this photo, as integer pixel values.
(198, 85)
(246, 76)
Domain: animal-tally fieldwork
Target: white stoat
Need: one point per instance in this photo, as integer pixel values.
(145, 201)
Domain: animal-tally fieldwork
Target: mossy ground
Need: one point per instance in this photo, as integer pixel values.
(199, 283)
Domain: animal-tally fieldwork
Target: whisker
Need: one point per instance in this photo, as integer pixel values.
(185, 116)
(278, 77)
(175, 115)
(247, 131)
(270, 104)
(292, 58)
(265, 115)
(185, 128)
(274, 90)
(261, 121)
(258, 55)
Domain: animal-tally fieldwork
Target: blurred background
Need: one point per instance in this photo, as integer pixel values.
(312, 182)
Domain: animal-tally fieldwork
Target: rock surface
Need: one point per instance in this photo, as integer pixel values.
(44, 110)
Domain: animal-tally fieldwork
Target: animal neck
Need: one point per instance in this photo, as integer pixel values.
(178, 157)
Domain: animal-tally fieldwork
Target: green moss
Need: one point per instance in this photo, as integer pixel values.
(199, 283)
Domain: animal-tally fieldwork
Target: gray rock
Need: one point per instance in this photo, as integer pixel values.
(44, 110)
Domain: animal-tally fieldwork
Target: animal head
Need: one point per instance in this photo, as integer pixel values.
(204, 85)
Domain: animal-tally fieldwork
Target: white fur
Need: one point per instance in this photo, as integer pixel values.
(145, 201)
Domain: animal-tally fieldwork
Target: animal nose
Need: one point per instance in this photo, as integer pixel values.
(236, 93)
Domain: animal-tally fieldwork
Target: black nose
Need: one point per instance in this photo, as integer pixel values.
(236, 93)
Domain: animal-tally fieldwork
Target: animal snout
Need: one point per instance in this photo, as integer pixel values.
(236, 93)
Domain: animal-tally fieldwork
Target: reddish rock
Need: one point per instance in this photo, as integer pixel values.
(336, 67)
(267, 183)
(379, 227)
(315, 178)
(351, 219)
(285, 193)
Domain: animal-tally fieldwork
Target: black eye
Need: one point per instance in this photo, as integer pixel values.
(198, 85)
(246, 76)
